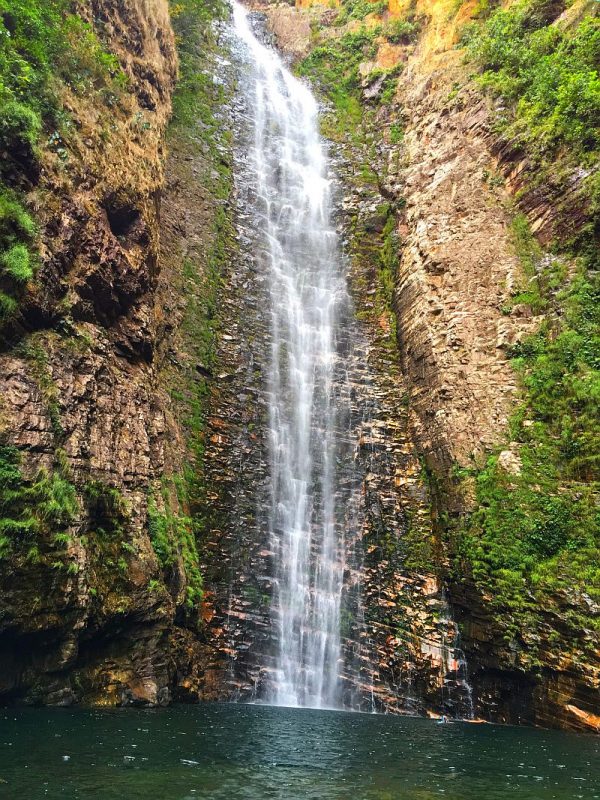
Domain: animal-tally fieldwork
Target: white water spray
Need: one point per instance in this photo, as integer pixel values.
(307, 290)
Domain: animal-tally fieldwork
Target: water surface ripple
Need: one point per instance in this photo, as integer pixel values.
(237, 752)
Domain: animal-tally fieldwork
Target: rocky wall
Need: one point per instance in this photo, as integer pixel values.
(401, 650)
(450, 181)
(88, 612)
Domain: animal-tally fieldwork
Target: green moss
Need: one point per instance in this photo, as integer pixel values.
(390, 85)
(530, 529)
(8, 307)
(389, 259)
(32, 508)
(334, 69)
(192, 22)
(15, 223)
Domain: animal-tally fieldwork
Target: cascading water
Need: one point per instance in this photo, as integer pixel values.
(307, 292)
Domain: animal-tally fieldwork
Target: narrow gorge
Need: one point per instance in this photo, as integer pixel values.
(299, 358)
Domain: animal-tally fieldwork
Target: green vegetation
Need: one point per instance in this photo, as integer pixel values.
(359, 9)
(389, 258)
(534, 533)
(195, 119)
(33, 350)
(191, 21)
(43, 46)
(538, 531)
(173, 537)
(546, 72)
(549, 72)
(542, 276)
(109, 520)
(177, 510)
(389, 83)
(37, 510)
(401, 31)
(396, 133)
(32, 508)
(334, 68)
(17, 232)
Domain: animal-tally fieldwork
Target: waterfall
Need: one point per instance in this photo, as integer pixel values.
(298, 250)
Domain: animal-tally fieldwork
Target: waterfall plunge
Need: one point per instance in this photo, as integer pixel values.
(307, 290)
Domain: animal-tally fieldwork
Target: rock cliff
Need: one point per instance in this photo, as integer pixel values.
(87, 425)
(462, 193)
(133, 566)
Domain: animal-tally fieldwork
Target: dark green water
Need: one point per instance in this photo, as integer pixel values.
(228, 752)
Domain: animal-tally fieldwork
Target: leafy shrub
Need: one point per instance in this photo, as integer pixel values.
(401, 31)
(548, 73)
(390, 86)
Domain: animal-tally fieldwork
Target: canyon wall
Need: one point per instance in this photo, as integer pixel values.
(89, 612)
(133, 565)
(459, 189)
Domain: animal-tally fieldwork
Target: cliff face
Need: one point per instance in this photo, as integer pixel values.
(463, 193)
(458, 330)
(132, 421)
(469, 187)
(85, 420)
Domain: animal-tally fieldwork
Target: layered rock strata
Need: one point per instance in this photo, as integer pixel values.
(451, 179)
(87, 611)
